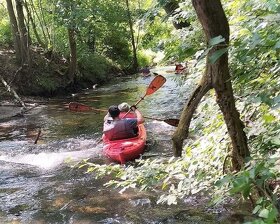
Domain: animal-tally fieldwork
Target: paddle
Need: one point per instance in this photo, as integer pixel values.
(157, 82)
(172, 121)
(80, 107)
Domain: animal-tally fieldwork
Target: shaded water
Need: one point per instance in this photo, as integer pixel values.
(37, 184)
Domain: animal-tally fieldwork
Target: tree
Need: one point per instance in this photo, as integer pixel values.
(73, 54)
(33, 24)
(69, 11)
(135, 62)
(20, 32)
(15, 31)
(24, 37)
(214, 22)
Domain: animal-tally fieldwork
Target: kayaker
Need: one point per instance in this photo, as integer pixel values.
(179, 68)
(145, 72)
(117, 128)
(123, 107)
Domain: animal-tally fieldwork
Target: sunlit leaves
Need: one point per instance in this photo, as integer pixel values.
(255, 39)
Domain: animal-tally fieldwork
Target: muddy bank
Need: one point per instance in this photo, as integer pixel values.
(47, 75)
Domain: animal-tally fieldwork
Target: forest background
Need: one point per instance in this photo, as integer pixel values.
(53, 47)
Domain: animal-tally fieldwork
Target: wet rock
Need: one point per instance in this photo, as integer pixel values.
(9, 111)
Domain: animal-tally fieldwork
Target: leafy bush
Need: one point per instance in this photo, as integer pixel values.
(48, 84)
(145, 58)
(254, 181)
(5, 33)
(94, 67)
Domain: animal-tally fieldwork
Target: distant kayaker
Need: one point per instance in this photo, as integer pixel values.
(145, 72)
(179, 68)
(117, 128)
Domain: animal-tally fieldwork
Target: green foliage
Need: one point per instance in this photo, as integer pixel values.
(255, 178)
(5, 29)
(5, 33)
(100, 33)
(160, 34)
(47, 84)
(117, 49)
(263, 119)
(155, 35)
(94, 67)
(61, 41)
(255, 39)
(145, 58)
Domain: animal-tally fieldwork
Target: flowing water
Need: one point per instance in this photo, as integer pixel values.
(37, 183)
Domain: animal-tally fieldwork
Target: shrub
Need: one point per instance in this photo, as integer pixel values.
(5, 33)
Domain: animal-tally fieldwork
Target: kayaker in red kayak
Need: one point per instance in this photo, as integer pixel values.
(117, 128)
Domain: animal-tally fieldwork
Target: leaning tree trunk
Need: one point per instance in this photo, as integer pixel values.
(212, 17)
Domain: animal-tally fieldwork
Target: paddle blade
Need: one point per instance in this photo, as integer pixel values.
(78, 107)
(172, 122)
(158, 81)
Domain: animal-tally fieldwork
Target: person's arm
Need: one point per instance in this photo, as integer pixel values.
(139, 117)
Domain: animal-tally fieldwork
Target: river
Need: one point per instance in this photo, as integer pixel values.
(38, 183)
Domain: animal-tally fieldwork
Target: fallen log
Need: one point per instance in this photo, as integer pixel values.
(11, 90)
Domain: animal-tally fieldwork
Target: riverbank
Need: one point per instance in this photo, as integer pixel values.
(47, 74)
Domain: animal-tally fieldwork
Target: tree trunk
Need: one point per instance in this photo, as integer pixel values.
(15, 30)
(45, 25)
(182, 130)
(11, 90)
(42, 25)
(135, 61)
(73, 54)
(212, 17)
(30, 17)
(25, 56)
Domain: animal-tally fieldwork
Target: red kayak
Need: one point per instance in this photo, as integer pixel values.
(124, 150)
